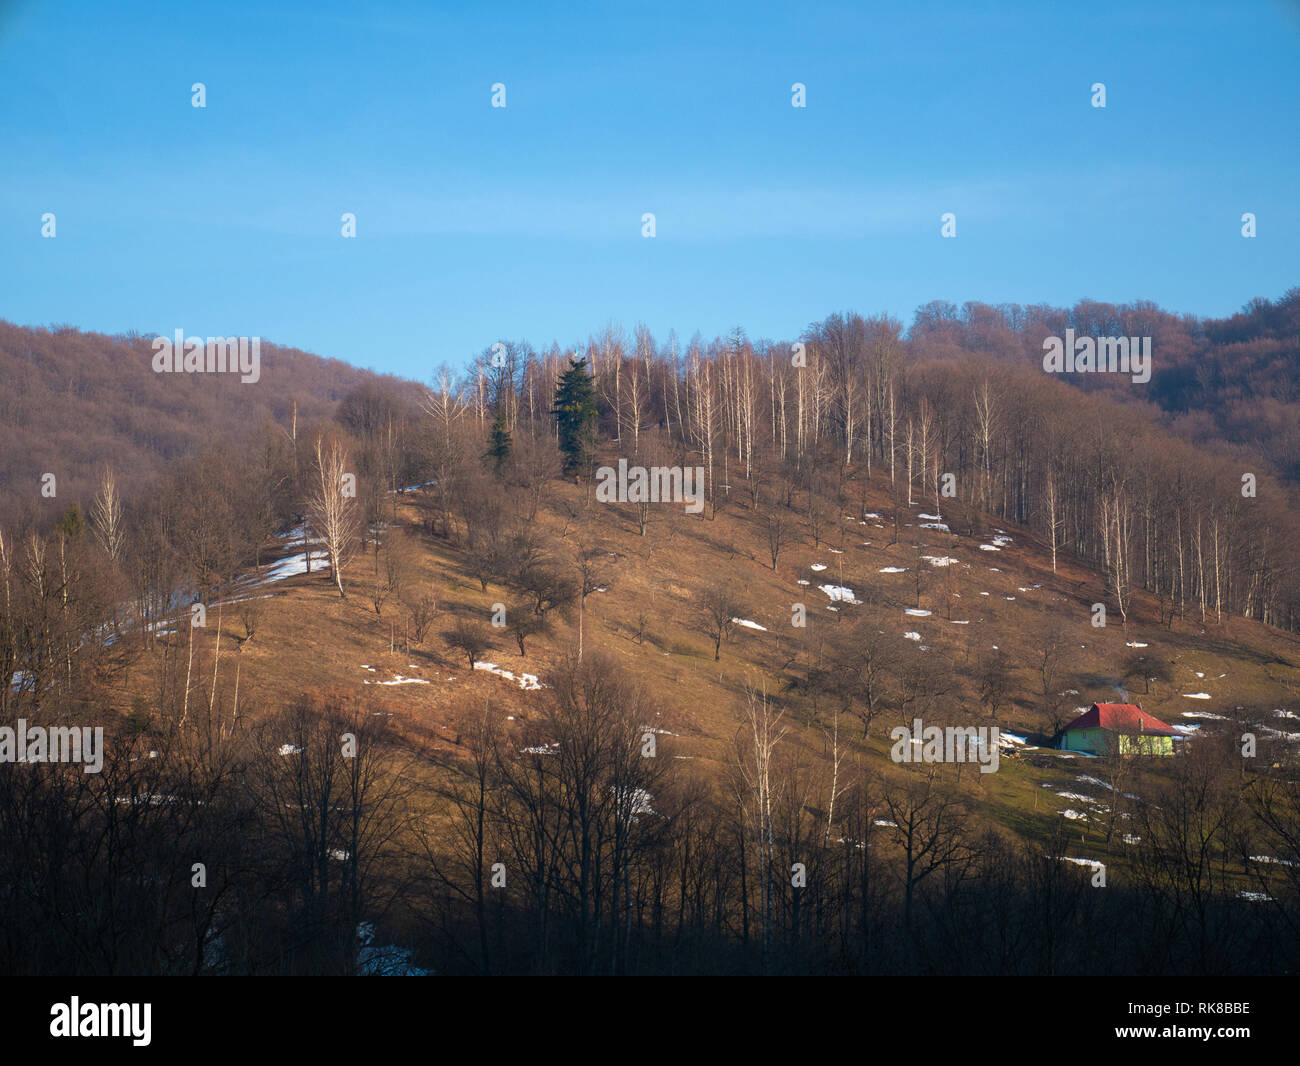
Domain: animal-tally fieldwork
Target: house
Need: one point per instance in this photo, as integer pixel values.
(1103, 725)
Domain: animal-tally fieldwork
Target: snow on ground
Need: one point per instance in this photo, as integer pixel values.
(290, 749)
(983, 593)
(913, 635)
(1081, 862)
(292, 566)
(544, 749)
(989, 548)
(1076, 796)
(1196, 695)
(1279, 733)
(1073, 815)
(526, 681)
(1089, 779)
(1010, 740)
(635, 801)
(803, 582)
(940, 560)
(838, 593)
(1254, 897)
(1186, 730)
(817, 568)
(1286, 714)
(1134, 644)
(959, 621)
(387, 960)
(1269, 858)
(294, 536)
(1203, 714)
(942, 527)
(886, 823)
(931, 517)
(893, 569)
(749, 625)
(917, 611)
(871, 514)
(398, 679)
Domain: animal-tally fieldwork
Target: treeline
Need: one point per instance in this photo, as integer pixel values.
(804, 426)
(1230, 385)
(582, 846)
(69, 401)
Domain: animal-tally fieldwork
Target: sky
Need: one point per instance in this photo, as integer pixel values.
(477, 223)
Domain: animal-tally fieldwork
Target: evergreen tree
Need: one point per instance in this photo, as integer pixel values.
(72, 524)
(575, 414)
(499, 448)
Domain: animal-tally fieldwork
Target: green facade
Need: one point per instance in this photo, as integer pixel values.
(1096, 741)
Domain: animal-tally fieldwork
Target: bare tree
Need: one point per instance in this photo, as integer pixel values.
(106, 516)
(719, 609)
(334, 511)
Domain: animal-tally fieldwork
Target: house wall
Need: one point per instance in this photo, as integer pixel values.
(1089, 740)
(1095, 741)
(1146, 745)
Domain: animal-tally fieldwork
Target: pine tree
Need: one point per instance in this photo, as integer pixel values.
(575, 415)
(499, 449)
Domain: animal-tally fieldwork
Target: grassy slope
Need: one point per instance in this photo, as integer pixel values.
(309, 639)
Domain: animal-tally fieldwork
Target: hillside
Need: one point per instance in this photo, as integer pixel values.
(676, 752)
(1230, 386)
(72, 401)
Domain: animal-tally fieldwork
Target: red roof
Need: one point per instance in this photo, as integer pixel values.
(1121, 718)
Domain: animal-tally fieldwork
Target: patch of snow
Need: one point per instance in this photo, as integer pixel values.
(941, 526)
(912, 636)
(1196, 695)
(749, 625)
(398, 679)
(917, 611)
(940, 560)
(839, 593)
(817, 567)
(893, 569)
(290, 749)
(526, 681)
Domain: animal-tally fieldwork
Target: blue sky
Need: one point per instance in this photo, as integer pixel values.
(476, 224)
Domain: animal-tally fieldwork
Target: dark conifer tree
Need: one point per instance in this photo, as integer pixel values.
(575, 413)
